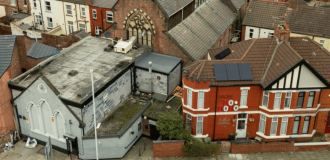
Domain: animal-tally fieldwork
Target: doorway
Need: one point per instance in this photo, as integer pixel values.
(327, 128)
(241, 125)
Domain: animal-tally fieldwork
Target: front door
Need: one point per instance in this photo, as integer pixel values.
(241, 125)
(327, 128)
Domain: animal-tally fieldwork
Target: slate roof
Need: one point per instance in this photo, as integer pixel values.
(160, 62)
(170, 7)
(202, 29)
(80, 34)
(39, 50)
(308, 20)
(258, 53)
(75, 1)
(7, 44)
(104, 3)
(262, 13)
(238, 3)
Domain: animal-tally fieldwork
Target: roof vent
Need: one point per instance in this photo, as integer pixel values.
(73, 73)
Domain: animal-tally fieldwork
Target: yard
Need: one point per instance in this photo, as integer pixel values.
(158, 107)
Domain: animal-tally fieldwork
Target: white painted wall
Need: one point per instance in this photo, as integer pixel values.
(2, 11)
(76, 17)
(257, 32)
(308, 79)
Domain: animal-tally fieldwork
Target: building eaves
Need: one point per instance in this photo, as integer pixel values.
(170, 7)
(104, 3)
(75, 1)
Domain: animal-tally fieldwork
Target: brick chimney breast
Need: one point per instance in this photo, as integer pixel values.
(282, 29)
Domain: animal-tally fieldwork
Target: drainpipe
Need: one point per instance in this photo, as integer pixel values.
(101, 21)
(215, 111)
(150, 73)
(75, 7)
(42, 16)
(64, 18)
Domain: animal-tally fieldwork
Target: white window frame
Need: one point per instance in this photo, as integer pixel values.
(241, 102)
(13, 2)
(50, 8)
(189, 97)
(68, 9)
(83, 11)
(200, 103)
(310, 98)
(304, 125)
(108, 16)
(81, 28)
(50, 21)
(264, 120)
(270, 35)
(94, 13)
(70, 27)
(298, 126)
(288, 98)
(279, 99)
(322, 43)
(263, 98)
(25, 2)
(251, 33)
(286, 128)
(201, 125)
(274, 120)
(38, 19)
(35, 3)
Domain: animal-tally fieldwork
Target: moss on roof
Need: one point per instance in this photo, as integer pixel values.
(158, 107)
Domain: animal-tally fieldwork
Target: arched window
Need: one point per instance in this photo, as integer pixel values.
(59, 121)
(33, 117)
(46, 114)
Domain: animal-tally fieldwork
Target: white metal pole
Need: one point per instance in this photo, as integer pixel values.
(97, 153)
(150, 77)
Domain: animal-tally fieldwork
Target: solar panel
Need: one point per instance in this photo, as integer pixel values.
(232, 72)
(220, 72)
(245, 71)
(223, 54)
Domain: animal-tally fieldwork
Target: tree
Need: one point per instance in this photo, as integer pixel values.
(170, 125)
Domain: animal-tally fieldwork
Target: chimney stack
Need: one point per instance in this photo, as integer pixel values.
(290, 3)
(282, 30)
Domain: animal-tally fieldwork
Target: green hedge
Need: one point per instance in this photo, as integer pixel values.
(199, 148)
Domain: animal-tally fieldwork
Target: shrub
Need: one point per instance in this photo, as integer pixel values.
(199, 148)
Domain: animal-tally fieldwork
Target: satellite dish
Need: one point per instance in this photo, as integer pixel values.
(114, 27)
(107, 34)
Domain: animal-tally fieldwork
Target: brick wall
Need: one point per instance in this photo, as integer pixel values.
(18, 8)
(262, 147)
(59, 42)
(171, 148)
(5, 29)
(311, 148)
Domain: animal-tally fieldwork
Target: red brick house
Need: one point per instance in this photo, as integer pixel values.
(13, 7)
(261, 89)
(173, 28)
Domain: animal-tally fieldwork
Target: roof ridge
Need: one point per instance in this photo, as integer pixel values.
(202, 67)
(195, 69)
(248, 49)
(318, 45)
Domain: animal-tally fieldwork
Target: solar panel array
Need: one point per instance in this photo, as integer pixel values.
(232, 72)
(223, 54)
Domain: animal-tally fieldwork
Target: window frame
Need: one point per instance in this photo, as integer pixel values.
(251, 33)
(25, 2)
(197, 121)
(13, 2)
(50, 8)
(67, 9)
(94, 12)
(303, 98)
(50, 21)
(200, 106)
(83, 11)
(286, 128)
(81, 27)
(311, 96)
(309, 121)
(189, 101)
(263, 98)
(70, 26)
(322, 42)
(242, 97)
(298, 124)
(279, 99)
(270, 33)
(107, 16)
(271, 126)
(38, 19)
(35, 3)
(97, 30)
(264, 120)
(287, 98)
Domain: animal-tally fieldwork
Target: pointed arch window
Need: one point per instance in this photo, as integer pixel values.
(46, 114)
(33, 117)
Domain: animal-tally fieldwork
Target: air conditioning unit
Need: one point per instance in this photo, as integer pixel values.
(125, 46)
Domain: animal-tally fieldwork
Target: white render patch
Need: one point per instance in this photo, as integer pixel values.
(288, 80)
(308, 79)
(295, 77)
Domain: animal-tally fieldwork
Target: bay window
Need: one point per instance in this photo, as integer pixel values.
(189, 97)
(265, 99)
(296, 125)
(262, 123)
(200, 103)
(244, 97)
(199, 128)
(306, 124)
(273, 128)
(284, 125)
(277, 101)
(310, 99)
(300, 99)
(287, 101)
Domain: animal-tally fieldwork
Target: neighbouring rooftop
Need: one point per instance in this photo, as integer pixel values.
(170, 7)
(39, 50)
(158, 107)
(69, 71)
(7, 44)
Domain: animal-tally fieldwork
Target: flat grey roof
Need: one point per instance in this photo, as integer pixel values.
(78, 59)
(20, 16)
(160, 62)
(39, 50)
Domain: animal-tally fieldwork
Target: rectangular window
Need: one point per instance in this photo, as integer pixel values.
(35, 3)
(200, 100)
(47, 4)
(94, 14)
(109, 16)
(188, 121)
(98, 30)
(25, 2)
(68, 10)
(277, 101)
(199, 128)
(287, 101)
(13, 2)
(265, 99)
(262, 123)
(82, 27)
(310, 99)
(251, 33)
(189, 97)
(270, 35)
(273, 128)
(300, 99)
(284, 125)
(50, 22)
(322, 43)
(70, 25)
(306, 124)
(38, 19)
(244, 97)
(296, 125)
(83, 12)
